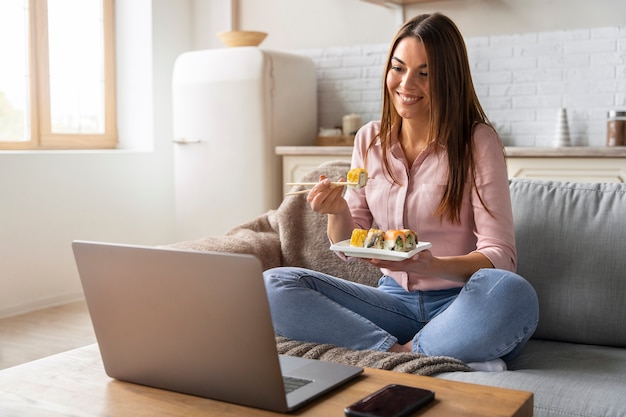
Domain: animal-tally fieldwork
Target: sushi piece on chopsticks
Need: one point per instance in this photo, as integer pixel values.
(356, 178)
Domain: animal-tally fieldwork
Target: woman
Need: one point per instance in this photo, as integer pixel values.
(436, 166)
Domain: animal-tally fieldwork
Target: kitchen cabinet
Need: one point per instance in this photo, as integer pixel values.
(579, 163)
(299, 160)
(582, 164)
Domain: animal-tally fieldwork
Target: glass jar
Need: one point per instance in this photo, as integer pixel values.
(616, 128)
(351, 123)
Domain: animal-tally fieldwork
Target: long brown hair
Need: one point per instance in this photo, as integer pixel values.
(454, 105)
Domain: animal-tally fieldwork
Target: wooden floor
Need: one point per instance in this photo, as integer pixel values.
(43, 333)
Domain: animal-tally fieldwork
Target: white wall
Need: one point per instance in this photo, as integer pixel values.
(528, 58)
(50, 198)
(300, 24)
(522, 81)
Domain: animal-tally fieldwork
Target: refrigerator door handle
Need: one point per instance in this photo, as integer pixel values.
(187, 141)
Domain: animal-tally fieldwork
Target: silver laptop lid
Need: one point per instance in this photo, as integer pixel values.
(193, 322)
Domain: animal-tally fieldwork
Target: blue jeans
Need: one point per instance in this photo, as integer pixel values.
(492, 316)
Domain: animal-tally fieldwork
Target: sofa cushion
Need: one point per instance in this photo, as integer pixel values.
(571, 246)
(567, 379)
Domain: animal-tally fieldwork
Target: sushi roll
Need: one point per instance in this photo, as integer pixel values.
(410, 241)
(357, 177)
(358, 237)
(375, 239)
(395, 240)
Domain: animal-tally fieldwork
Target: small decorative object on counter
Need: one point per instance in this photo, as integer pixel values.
(326, 132)
(616, 128)
(562, 129)
(236, 38)
(333, 137)
(351, 123)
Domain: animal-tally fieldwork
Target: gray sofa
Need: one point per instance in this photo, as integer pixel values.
(571, 243)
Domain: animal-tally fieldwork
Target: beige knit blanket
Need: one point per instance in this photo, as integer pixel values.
(294, 235)
(291, 235)
(410, 363)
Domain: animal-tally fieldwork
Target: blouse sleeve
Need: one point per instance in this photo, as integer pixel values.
(494, 228)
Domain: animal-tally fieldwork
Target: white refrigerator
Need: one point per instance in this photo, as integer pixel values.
(231, 107)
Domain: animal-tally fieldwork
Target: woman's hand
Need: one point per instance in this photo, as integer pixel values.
(453, 268)
(326, 198)
(421, 263)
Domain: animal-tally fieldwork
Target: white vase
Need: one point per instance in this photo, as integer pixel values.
(561, 136)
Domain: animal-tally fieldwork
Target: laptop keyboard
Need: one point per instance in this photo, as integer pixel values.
(292, 383)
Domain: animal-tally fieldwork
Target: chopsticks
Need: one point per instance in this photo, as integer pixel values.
(315, 183)
(360, 174)
(298, 192)
(343, 183)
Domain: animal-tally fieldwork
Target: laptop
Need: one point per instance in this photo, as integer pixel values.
(194, 322)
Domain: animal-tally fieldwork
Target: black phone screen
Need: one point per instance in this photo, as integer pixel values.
(391, 401)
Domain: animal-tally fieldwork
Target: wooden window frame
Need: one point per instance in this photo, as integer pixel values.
(41, 135)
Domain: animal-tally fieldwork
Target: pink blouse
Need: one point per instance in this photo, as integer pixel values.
(385, 205)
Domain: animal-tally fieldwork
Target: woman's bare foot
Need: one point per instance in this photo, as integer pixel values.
(407, 347)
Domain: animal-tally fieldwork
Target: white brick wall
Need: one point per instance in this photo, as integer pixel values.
(521, 80)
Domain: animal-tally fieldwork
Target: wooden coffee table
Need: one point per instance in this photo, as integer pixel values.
(74, 384)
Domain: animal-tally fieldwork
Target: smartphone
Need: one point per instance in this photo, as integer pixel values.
(391, 401)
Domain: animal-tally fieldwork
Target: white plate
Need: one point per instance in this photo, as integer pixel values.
(384, 254)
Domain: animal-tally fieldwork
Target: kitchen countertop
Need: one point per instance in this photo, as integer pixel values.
(313, 150)
(511, 151)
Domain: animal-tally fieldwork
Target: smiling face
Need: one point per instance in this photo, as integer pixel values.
(407, 79)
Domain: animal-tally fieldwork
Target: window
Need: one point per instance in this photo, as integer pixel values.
(57, 78)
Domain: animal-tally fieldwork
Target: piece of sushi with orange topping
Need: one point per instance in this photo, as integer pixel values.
(395, 240)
